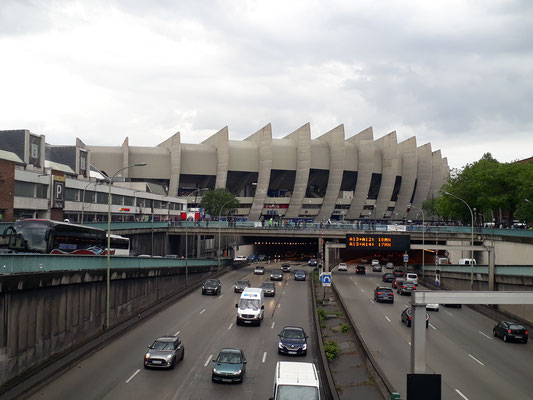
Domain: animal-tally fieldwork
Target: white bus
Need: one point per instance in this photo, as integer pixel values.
(120, 246)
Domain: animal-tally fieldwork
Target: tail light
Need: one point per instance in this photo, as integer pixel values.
(379, 292)
(409, 317)
(508, 331)
(526, 332)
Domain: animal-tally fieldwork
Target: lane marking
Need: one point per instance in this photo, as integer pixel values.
(272, 327)
(177, 333)
(432, 326)
(264, 356)
(407, 305)
(279, 305)
(487, 336)
(209, 359)
(475, 359)
(283, 292)
(219, 297)
(372, 301)
(230, 325)
(363, 290)
(387, 318)
(409, 343)
(460, 394)
(133, 376)
(446, 311)
(203, 311)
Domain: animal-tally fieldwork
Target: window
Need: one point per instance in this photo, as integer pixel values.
(116, 199)
(101, 198)
(41, 191)
(157, 204)
(70, 194)
(24, 189)
(128, 201)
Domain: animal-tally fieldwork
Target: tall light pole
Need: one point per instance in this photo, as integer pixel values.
(423, 237)
(219, 214)
(472, 241)
(186, 239)
(141, 164)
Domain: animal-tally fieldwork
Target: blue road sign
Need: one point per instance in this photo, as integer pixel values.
(326, 279)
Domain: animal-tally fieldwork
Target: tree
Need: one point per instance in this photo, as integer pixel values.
(218, 202)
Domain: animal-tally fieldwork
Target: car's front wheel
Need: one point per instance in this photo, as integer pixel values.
(182, 355)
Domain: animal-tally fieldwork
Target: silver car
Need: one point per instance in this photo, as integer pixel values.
(164, 352)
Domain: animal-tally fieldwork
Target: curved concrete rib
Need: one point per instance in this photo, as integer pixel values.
(408, 158)
(423, 177)
(335, 140)
(302, 139)
(436, 174)
(263, 139)
(220, 141)
(364, 142)
(173, 144)
(389, 150)
(125, 155)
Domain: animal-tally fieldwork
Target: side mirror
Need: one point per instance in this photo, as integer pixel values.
(149, 346)
(236, 306)
(244, 362)
(214, 360)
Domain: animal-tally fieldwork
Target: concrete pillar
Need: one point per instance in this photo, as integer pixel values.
(491, 268)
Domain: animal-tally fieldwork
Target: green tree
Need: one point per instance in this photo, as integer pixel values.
(218, 202)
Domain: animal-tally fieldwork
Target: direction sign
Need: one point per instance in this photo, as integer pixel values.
(406, 258)
(326, 279)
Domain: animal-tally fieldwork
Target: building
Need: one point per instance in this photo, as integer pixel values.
(293, 177)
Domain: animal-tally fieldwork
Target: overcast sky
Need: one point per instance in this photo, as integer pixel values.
(458, 74)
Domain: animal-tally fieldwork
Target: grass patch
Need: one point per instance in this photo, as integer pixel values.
(345, 328)
(339, 314)
(322, 314)
(319, 301)
(332, 349)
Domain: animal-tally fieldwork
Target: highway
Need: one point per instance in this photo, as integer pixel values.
(205, 324)
(460, 345)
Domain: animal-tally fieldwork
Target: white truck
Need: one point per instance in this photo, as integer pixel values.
(251, 307)
(296, 380)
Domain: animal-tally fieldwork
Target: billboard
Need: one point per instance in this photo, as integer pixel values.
(378, 242)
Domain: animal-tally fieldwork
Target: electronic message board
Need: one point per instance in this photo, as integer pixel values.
(378, 242)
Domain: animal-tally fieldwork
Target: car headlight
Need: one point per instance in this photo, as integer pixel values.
(304, 347)
(280, 345)
(238, 372)
(147, 356)
(214, 370)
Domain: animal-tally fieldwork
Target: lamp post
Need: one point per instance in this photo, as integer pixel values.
(423, 237)
(141, 164)
(219, 214)
(472, 241)
(186, 238)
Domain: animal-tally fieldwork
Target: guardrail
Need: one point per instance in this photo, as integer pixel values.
(31, 263)
(518, 270)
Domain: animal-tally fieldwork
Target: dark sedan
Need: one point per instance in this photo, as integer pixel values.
(286, 267)
(383, 293)
(230, 366)
(299, 275)
(292, 341)
(164, 352)
(511, 331)
(397, 281)
(406, 288)
(406, 317)
(398, 272)
(212, 286)
(276, 275)
(388, 277)
(360, 269)
(269, 288)
(312, 262)
(239, 286)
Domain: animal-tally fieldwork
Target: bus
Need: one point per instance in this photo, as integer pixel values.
(120, 246)
(52, 237)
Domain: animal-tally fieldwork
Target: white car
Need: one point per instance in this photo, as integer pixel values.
(389, 265)
(342, 267)
(240, 258)
(375, 262)
(412, 278)
(432, 307)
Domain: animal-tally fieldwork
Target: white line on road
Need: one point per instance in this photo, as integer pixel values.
(279, 305)
(230, 325)
(177, 333)
(133, 376)
(487, 336)
(283, 292)
(460, 394)
(203, 311)
(264, 356)
(372, 301)
(475, 359)
(387, 318)
(407, 305)
(219, 297)
(409, 343)
(432, 326)
(273, 323)
(363, 290)
(209, 359)
(446, 311)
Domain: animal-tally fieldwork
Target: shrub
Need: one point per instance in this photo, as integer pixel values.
(339, 313)
(321, 314)
(345, 328)
(332, 349)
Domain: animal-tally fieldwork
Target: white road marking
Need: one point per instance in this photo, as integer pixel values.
(264, 356)
(209, 359)
(272, 327)
(460, 394)
(219, 297)
(446, 311)
(372, 301)
(432, 326)
(363, 290)
(487, 336)
(387, 318)
(177, 333)
(133, 376)
(283, 292)
(409, 343)
(407, 305)
(279, 305)
(475, 359)
(203, 311)
(230, 325)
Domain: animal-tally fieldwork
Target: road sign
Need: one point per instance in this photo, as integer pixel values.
(326, 279)
(406, 258)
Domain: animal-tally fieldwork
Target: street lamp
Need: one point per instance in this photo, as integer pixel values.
(423, 237)
(186, 239)
(472, 250)
(141, 164)
(219, 214)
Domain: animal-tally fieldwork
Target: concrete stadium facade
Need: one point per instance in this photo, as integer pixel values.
(294, 177)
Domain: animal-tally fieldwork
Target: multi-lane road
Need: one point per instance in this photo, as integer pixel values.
(206, 324)
(460, 345)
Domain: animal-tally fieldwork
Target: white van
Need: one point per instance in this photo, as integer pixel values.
(467, 261)
(240, 258)
(251, 306)
(412, 278)
(296, 380)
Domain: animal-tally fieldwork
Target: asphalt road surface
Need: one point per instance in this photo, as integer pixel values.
(460, 344)
(205, 324)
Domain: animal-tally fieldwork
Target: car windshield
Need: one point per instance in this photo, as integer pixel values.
(160, 345)
(229, 358)
(211, 283)
(276, 271)
(292, 334)
(267, 285)
(242, 283)
(384, 289)
(299, 272)
(287, 392)
(249, 304)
